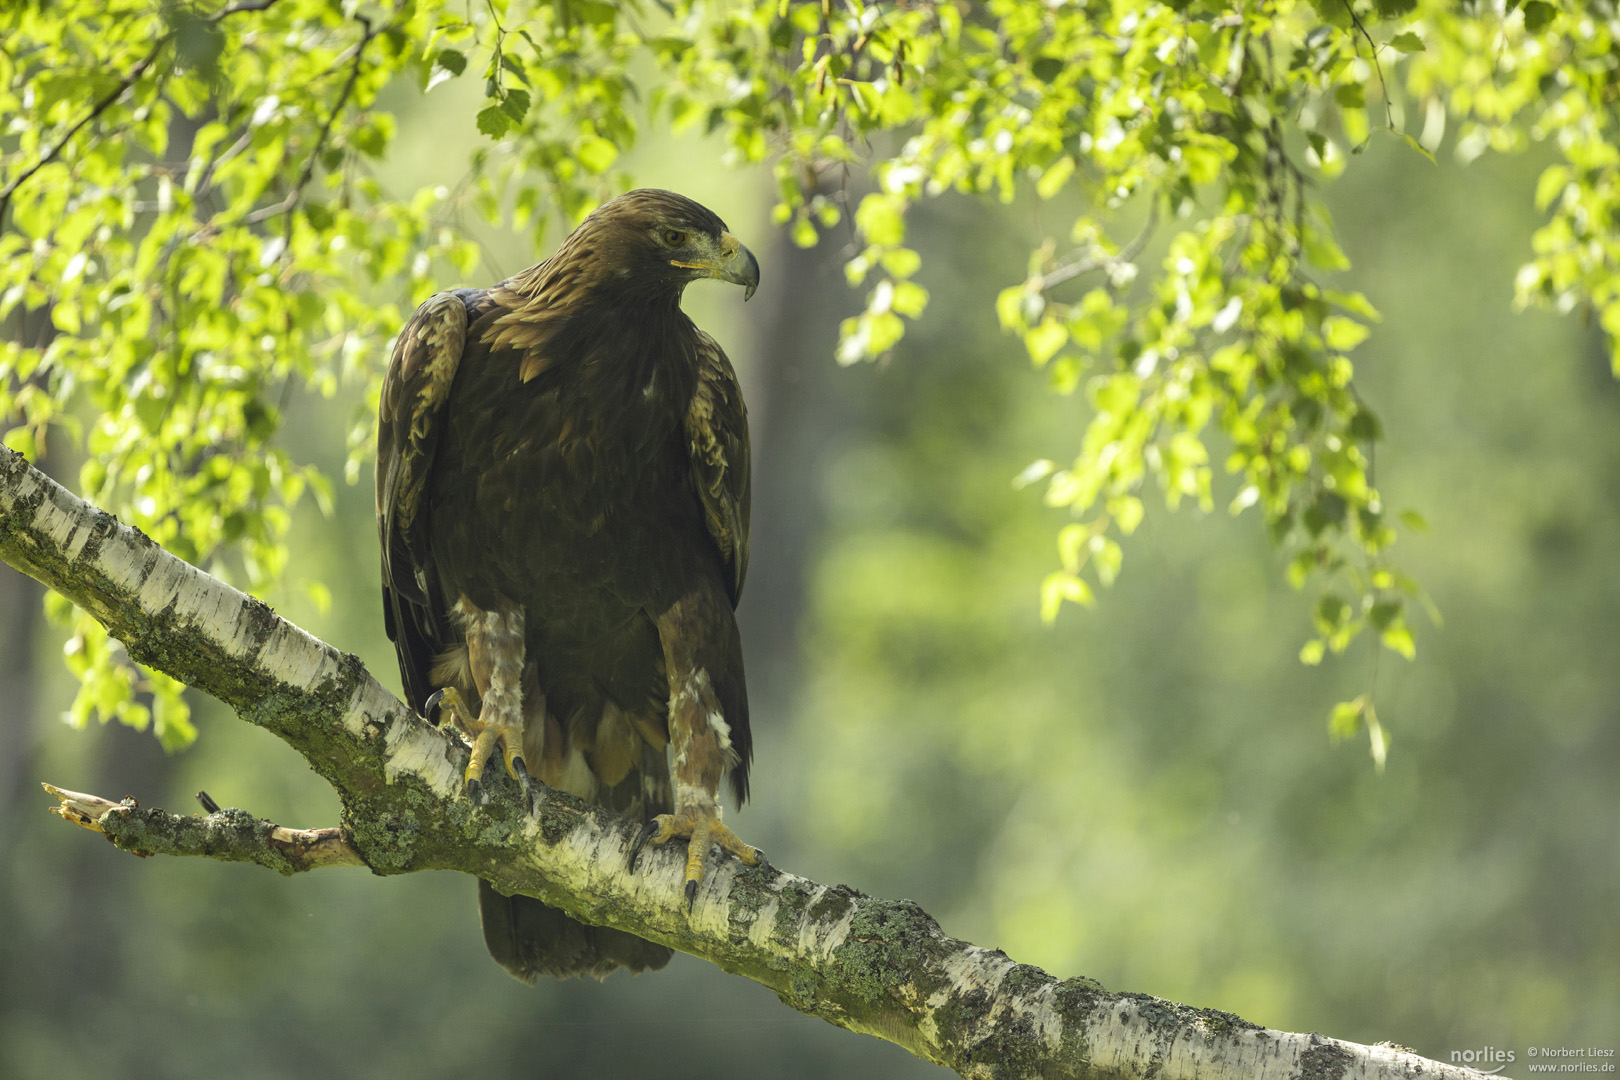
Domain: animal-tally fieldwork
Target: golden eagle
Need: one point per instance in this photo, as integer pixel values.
(562, 498)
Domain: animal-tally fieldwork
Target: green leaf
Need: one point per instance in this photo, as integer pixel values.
(1047, 68)
(1035, 470)
(1378, 738)
(1365, 425)
(909, 299)
(1127, 512)
(880, 220)
(1045, 340)
(1010, 307)
(1071, 542)
(901, 262)
(596, 154)
(1342, 334)
(1406, 43)
(1537, 14)
(803, 232)
(1351, 96)
(1412, 142)
(1056, 175)
(886, 330)
(171, 714)
(1331, 612)
(1552, 184)
(1322, 250)
(1354, 303)
(1384, 614)
(516, 105)
(494, 121)
(1325, 511)
(515, 66)
(1399, 639)
(1345, 720)
(1058, 587)
(866, 96)
(1203, 163)
(1106, 559)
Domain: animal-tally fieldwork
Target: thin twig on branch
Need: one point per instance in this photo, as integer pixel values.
(1099, 260)
(246, 5)
(230, 834)
(879, 966)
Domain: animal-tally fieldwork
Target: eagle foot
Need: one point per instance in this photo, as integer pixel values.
(485, 739)
(447, 704)
(702, 829)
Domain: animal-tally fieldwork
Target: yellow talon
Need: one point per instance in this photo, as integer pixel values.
(484, 738)
(482, 747)
(516, 768)
(703, 830)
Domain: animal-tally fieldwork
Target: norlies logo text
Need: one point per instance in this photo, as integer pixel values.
(1485, 1055)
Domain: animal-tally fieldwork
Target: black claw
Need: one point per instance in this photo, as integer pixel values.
(430, 707)
(642, 837)
(764, 863)
(531, 786)
(475, 791)
(691, 895)
(209, 805)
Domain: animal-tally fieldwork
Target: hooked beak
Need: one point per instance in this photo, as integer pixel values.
(733, 262)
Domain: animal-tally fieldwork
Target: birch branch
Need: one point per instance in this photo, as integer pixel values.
(878, 966)
(230, 834)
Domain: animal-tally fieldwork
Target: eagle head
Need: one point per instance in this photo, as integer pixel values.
(637, 251)
(656, 240)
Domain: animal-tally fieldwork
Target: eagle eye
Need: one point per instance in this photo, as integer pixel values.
(672, 237)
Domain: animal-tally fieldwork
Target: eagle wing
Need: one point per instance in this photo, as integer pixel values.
(410, 420)
(716, 427)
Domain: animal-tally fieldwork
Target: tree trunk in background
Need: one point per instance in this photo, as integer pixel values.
(20, 599)
(89, 887)
(795, 414)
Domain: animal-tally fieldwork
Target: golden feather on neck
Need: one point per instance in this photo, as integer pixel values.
(540, 299)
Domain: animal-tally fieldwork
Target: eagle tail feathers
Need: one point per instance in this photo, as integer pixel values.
(530, 939)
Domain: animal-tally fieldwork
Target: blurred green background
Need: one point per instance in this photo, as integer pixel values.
(1145, 793)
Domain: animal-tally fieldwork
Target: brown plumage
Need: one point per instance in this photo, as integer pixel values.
(562, 498)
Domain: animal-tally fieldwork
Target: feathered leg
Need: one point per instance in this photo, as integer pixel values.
(495, 653)
(694, 639)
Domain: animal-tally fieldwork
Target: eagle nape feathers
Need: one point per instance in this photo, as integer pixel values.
(563, 505)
